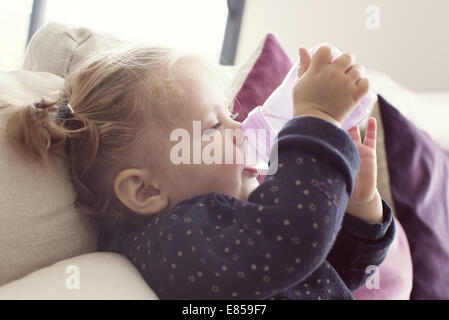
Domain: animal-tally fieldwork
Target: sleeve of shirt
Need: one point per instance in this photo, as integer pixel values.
(217, 247)
(361, 247)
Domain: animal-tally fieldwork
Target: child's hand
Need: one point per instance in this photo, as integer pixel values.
(365, 201)
(332, 90)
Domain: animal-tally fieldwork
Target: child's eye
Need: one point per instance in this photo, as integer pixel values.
(232, 115)
(210, 131)
(217, 125)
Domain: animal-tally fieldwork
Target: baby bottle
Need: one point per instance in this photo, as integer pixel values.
(263, 123)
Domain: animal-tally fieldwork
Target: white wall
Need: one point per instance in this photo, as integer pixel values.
(411, 45)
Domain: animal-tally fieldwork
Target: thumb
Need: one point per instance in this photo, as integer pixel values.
(304, 61)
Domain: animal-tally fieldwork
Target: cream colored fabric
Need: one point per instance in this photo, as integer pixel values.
(17, 87)
(57, 47)
(38, 221)
(98, 275)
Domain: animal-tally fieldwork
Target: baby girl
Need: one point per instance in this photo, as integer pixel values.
(211, 231)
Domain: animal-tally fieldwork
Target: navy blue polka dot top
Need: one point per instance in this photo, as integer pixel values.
(290, 240)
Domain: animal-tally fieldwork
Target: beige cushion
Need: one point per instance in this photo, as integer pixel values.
(57, 47)
(98, 275)
(38, 221)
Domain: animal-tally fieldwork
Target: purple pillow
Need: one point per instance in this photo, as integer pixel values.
(266, 74)
(419, 179)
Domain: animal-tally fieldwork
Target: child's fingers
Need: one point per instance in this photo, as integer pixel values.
(322, 56)
(354, 133)
(304, 61)
(371, 133)
(345, 61)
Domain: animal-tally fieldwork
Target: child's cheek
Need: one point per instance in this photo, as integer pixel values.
(232, 154)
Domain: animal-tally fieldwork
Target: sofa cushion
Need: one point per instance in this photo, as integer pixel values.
(263, 71)
(91, 276)
(39, 224)
(58, 48)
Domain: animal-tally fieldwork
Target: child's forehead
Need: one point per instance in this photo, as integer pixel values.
(200, 81)
(198, 90)
(203, 92)
(195, 70)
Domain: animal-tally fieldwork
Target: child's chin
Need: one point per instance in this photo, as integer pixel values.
(250, 185)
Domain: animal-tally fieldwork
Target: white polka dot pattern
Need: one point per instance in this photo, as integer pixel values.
(214, 246)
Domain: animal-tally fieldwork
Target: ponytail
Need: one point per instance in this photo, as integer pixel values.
(34, 129)
(39, 131)
(121, 98)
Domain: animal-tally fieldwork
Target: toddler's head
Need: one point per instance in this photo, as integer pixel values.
(133, 108)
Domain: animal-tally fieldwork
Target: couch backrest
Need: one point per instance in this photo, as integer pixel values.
(39, 224)
(58, 47)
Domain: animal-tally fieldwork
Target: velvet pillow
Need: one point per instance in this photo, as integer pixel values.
(257, 78)
(265, 75)
(419, 178)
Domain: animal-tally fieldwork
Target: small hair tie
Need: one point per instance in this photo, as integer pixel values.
(65, 112)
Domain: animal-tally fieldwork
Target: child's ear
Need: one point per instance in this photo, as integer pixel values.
(140, 191)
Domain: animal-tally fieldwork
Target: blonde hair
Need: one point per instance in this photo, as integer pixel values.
(120, 97)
